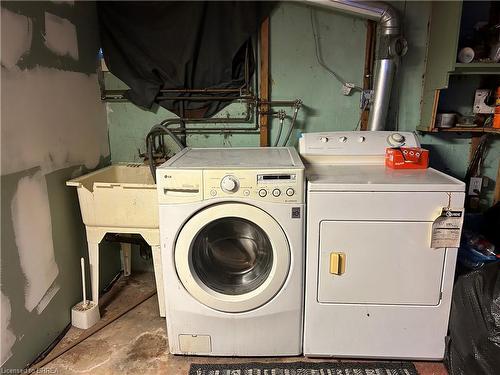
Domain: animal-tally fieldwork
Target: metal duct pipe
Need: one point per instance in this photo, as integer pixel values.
(391, 46)
(386, 70)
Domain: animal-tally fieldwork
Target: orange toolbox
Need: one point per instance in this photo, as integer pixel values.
(407, 158)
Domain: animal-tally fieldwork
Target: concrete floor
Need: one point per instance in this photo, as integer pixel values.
(136, 343)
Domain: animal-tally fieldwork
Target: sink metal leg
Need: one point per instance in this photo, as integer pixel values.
(156, 250)
(94, 270)
(126, 257)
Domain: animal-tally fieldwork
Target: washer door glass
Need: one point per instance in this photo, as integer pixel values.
(232, 255)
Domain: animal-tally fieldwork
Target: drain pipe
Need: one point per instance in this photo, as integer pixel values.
(390, 47)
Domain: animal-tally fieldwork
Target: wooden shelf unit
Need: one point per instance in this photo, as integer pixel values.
(476, 68)
(442, 67)
(458, 129)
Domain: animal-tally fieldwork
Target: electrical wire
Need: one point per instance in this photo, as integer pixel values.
(477, 159)
(361, 115)
(319, 57)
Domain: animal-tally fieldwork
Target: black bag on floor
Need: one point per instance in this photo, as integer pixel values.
(474, 339)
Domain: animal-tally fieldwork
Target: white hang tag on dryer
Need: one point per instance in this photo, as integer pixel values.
(447, 228)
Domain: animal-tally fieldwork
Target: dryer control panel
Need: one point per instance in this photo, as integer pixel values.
(354, 147)
(354, 143)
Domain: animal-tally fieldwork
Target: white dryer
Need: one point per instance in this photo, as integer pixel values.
(231, 228)
(375, 288)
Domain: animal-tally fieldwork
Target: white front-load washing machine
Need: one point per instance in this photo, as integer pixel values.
(232, 244)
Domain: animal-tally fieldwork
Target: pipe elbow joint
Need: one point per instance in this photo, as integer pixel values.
(390, 23)
(392, 43)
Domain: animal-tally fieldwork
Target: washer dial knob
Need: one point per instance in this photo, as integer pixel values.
(342, 139)
(262, 193)
(276, 192)
(290, 192)
(324, 139)
(229, 184)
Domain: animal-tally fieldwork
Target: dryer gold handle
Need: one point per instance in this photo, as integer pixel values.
(337, 263)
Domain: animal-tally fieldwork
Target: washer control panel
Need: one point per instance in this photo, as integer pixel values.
(272, 186)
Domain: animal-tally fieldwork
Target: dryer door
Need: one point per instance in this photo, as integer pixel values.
(232, 257)
(382, 263)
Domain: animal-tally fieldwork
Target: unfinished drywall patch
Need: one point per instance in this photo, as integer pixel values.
(64, 126)
(16, 37)
(33, 233)
(53, 122)
(81, 14)
(60, 36)
(47, 298)
(8, 338)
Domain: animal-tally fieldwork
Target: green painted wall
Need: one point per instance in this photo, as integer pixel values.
(53, 129)
(296, 74)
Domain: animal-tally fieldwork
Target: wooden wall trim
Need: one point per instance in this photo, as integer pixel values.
(371, 32)
(264, 91)
(496, 197)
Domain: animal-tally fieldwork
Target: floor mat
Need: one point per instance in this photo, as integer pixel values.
(306, 368)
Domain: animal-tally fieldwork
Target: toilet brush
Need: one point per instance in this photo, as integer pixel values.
(86, 313)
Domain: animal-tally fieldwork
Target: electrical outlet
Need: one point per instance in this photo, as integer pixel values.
(475, 185)
(347, 88)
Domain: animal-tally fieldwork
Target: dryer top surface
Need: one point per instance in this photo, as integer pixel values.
(355, 161)
(378, 178)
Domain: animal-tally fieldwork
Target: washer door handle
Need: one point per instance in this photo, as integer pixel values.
(337, 263)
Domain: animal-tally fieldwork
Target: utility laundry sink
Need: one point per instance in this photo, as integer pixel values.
(122, 195)
(120, 198)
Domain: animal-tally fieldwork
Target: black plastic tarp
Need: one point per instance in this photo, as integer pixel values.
(179, 45)
(474, 340)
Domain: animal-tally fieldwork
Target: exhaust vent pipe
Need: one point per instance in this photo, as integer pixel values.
(390, 47)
